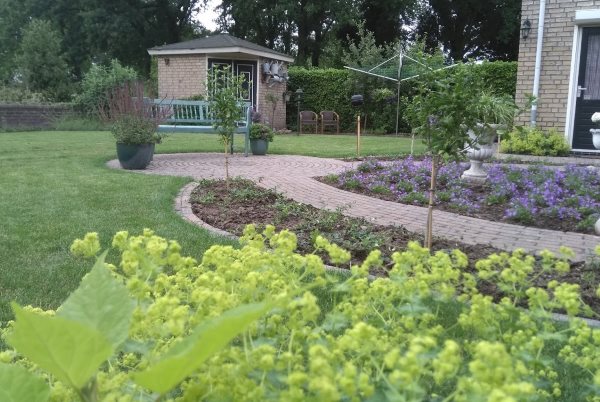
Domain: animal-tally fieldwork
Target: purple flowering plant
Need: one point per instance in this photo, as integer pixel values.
(525, 193)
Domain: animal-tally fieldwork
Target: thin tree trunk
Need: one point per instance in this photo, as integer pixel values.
(429, 230)
(227, 165)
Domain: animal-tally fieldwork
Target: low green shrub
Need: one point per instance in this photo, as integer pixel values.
(19, 94)
(263, 323)
(98, 82)
(79, 123)
(533, 141)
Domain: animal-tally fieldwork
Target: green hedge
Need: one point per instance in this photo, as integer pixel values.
(324, 89)
(330, 89)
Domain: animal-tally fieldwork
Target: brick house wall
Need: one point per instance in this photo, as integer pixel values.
(182, 76)
(556, 60)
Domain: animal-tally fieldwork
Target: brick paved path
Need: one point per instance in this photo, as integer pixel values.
(292, 176)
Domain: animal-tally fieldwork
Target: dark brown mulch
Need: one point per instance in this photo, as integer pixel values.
(245, 203)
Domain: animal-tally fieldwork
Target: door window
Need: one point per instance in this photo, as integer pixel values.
(592, 72)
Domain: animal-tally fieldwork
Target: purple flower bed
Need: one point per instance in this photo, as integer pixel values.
(519, 194)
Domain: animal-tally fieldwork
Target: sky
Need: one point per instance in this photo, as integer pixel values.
(208, 16)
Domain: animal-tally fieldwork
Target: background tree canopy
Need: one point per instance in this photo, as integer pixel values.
(73, 35)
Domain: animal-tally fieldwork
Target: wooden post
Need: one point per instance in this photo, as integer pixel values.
(358, 137)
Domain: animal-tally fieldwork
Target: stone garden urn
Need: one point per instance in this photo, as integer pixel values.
(595, 137)
(596, 141)
(481, 152)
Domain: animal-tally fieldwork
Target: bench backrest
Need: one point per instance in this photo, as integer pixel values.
(182, 111)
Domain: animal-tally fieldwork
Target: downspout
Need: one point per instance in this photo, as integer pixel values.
(538, 62)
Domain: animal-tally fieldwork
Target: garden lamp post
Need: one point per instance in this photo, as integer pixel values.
(299, 94)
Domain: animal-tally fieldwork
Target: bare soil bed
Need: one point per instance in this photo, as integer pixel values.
(244, 203)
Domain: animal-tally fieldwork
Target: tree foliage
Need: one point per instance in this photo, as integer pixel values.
(42, 62)
(472, 28)
(97, 31)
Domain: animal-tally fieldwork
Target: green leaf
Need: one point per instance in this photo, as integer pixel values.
(101, 302)
(19, 385)
(69, 350)
(207, 339)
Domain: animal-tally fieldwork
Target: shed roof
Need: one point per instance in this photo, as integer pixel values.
(221, 43)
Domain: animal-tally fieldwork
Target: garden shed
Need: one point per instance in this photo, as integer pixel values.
(183, 67)
(559, 63)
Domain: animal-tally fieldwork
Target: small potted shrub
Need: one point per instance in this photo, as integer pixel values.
(260, 136)
(134, 122)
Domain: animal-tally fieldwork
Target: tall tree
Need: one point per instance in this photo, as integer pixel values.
(41, 61)
(303, 25)
(472, 28)
(386, 19)
(97, 31)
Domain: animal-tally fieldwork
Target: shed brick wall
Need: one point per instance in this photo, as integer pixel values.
(185, 76)
(182, 77)
(265, 107)
(556, 59)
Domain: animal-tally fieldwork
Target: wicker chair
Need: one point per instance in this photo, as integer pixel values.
(330, 119)
(308, 118)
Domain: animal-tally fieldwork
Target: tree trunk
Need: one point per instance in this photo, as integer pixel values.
(429, 229)
(226, 165)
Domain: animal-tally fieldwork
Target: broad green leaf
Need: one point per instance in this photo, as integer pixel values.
(101, 302)
(69, 350)
(19, 385)
(208, 338)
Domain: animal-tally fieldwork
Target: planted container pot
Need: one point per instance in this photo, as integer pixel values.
(260, 136)
(135, 156)
(595, 137)
(481, 152)
(259, 147)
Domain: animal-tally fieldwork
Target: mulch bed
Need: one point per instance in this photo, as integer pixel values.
(244, 203)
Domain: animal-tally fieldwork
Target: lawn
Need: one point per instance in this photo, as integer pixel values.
(332, 146)
(55, 188)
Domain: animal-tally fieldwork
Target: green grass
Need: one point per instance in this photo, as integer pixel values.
(332, 146)
(55, 187)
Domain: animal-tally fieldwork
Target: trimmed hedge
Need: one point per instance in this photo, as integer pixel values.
(330, 89)
(324, 89)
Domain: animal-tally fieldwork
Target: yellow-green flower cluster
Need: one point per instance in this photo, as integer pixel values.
(424, 333)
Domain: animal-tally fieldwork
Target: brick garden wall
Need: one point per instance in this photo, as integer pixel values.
(556, 59)
(31, 116)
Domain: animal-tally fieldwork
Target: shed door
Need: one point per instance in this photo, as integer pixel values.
(244, 68)
(588, 89)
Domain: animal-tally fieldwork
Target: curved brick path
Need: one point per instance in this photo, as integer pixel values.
(292, 176)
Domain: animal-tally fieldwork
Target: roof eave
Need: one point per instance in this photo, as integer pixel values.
(236, 49)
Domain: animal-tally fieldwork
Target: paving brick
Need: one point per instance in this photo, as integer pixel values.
(293, 176)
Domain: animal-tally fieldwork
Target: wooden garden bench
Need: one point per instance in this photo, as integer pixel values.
(196, 117)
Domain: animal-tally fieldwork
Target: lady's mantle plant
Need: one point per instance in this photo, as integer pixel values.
(263, 323)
